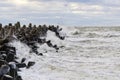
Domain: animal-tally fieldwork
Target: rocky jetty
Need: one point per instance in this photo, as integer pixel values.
(29, 35)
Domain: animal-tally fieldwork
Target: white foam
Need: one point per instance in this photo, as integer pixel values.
(82, 58)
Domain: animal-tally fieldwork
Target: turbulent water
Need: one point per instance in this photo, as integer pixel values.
(87, 53)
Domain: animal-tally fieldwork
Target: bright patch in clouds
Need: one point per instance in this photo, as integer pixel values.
(19, 2)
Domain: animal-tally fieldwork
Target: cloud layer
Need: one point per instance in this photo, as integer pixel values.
(61, 12)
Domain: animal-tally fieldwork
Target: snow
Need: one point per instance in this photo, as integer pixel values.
(93, 54)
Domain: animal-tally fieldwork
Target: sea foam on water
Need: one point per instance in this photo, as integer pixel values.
(92, 54)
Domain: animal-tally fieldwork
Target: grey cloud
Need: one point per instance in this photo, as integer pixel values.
(75, 12)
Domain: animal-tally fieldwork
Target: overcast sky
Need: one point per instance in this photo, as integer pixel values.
(61, 12)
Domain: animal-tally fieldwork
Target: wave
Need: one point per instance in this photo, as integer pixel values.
(94, 32)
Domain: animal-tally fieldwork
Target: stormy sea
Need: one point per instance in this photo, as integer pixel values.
(87, 53)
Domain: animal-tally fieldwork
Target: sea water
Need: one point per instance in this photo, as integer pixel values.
(87, 53)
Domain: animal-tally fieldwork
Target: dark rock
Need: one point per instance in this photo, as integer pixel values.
(10, 57)
(21, 65)
(10, 24)
(49, 43)
(2, 62)
(7, 77)
(23, 60)
(4, 69)
(19, 78)
(41, 54)
(30, 63)
(4, 56)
